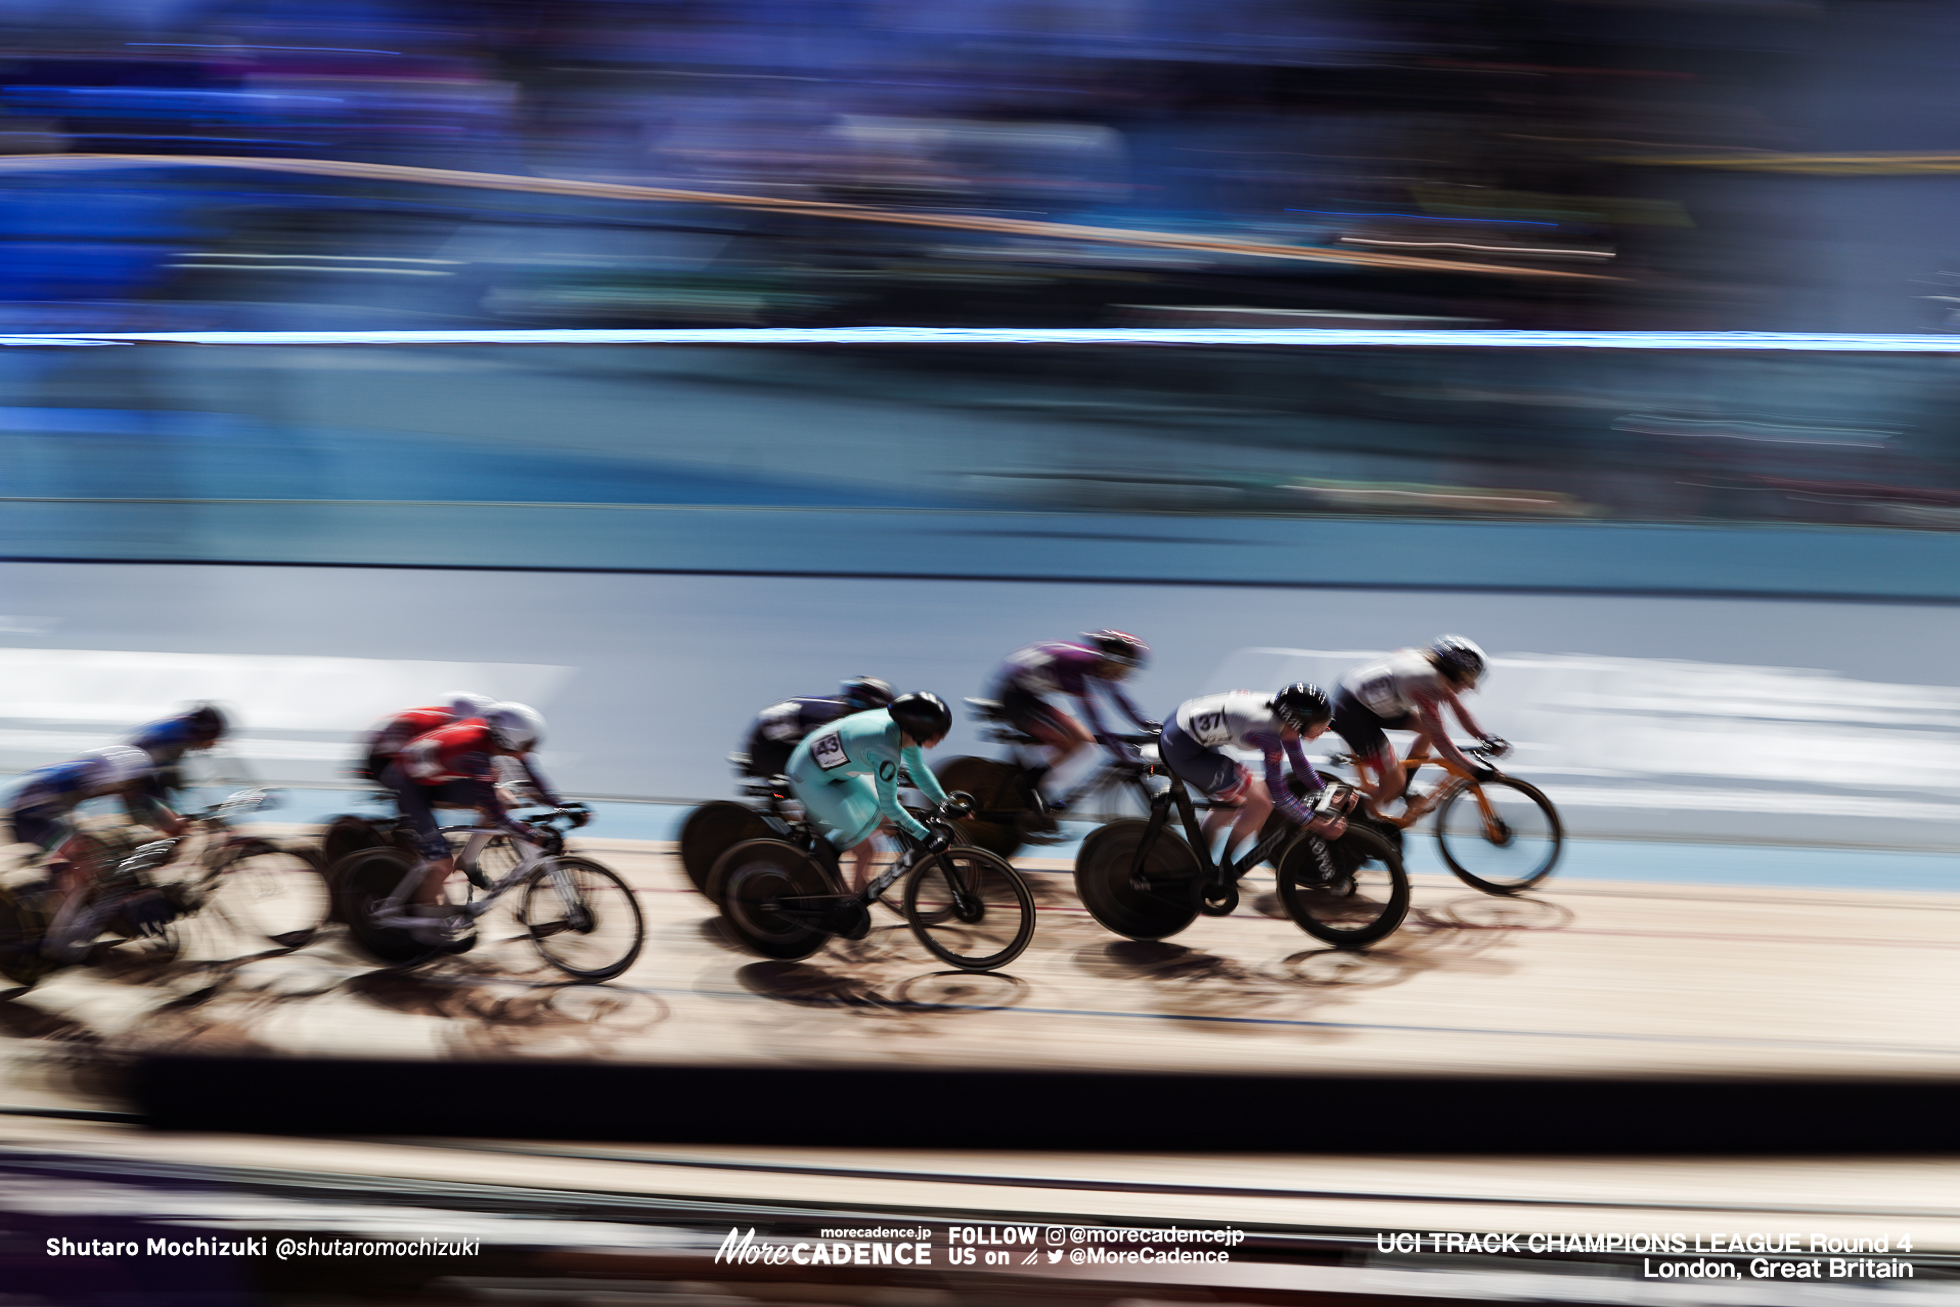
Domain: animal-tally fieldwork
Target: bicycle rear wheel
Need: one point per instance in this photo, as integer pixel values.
(772, 895)
(596, 933)
(970, 908)
(23, 924)
(1163, 904)
(998, 804)
(712, 830)
(280, 895)
(1349, 893)
(1504, 842)
(362, 881)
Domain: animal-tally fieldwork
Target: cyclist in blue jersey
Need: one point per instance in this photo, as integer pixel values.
(1193, 742)
(167, 741)
(779, 728)
(846, 775)
(43, 815)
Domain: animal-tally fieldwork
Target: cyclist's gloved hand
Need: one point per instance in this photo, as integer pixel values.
(578, 812)
(1497, 747)
(938, 839)
(958, 804)
(1484, 773)
(1329, 825)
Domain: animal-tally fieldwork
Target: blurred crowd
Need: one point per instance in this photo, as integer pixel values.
(1640, 164)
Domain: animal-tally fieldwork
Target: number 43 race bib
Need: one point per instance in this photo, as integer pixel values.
(828, 750)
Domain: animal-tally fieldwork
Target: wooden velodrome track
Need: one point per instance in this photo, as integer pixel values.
(1580, 978)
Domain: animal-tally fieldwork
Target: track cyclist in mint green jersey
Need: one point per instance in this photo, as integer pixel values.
(846, 774)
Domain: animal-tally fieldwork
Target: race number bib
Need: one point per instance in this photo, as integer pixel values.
(828, 750)
(1210, 729)
(1381, 693)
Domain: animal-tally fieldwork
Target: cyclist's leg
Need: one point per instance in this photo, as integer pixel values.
(1217, 777)
(1059, 734)
(68, 863)
(1367, 735)
(845, 812)
(417, 804)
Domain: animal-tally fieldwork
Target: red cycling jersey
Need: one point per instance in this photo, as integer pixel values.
(395, 732)
(459, 751)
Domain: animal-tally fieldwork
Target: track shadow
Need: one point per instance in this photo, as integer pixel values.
(913, 996)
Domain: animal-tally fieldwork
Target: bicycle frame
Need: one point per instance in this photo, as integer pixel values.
(1214, 876)
(1113, 765)
(1458, 779)
(392, 910)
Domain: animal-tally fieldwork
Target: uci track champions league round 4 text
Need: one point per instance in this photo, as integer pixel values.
(1780, 1255)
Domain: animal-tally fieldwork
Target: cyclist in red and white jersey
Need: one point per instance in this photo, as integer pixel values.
(387, 736)
(1408, 691)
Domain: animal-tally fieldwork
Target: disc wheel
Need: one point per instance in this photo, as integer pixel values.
(279, 895)
(1348, 893)
(1501, 836)
(1164, 904)
(582, 918)
(362, 880)
(772, 895)
(347, 834)
(970, 908)
(999, 807)
(712, 830)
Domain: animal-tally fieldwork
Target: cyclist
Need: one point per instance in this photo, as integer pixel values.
(846, 775)
(1407, 691)
(1193, 742)
(43, 814)
(779, 728)
(167, 741)
(1030, 680)
(454, 766)
(386, 738)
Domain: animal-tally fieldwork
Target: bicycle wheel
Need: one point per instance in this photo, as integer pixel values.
(998, 804)
(23, 924)
(1504, 842)
(970, 908)
(594, 936)
(347, 834)
(712, 830)
(764, 888)
(278, 894)
(362, 880)
(1160, 907)
(1349, 893)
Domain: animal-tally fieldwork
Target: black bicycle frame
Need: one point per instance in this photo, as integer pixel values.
(1214, 875)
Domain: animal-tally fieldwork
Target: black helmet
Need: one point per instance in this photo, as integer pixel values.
(1458, 658)
(207, 722)
(867, 692)
(1119, 647)
(1302, 706)
(921, 716)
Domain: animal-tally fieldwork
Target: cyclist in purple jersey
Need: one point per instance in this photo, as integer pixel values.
(1272, 725)
(1031, 679)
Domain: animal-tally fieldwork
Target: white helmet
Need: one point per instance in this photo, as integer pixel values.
(514, 726)
(116, 765)
(464, 704)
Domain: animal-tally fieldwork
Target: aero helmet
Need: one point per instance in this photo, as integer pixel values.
(921, 716)
(1119, 647)
(867, 692)
(514, 726)
(463, 704)
(1302, 706)
(1458, 658)
(208, 723)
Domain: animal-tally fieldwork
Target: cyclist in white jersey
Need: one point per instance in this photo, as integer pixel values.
(1407, 691)
(1193, 742)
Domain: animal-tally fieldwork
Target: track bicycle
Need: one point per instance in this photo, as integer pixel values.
(771, 811)
(265, 891)
(784, 898)
(1498, 834)
(1144, 881)
(581, 917)
(1005, 815)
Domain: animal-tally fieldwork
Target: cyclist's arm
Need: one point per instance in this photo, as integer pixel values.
(1463, 715)
(546, 794)
(923, 780)
(1276, 787)
(1130, 710)
(1297, 758)
(1087, 699)
(886, 778)
(1438, 735)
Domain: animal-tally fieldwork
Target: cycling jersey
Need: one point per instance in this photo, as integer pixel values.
(1057, 667)
(388, 737)
(846, 776)
(169, 740)
(779, 728)
(1244, 719)
(1398, 685)
(47, 796)
(460, 751)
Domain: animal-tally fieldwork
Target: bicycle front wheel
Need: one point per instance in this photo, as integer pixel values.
(1501, 836)
(280, 895)
(970, 908)
(1348, 893)
(582, 918)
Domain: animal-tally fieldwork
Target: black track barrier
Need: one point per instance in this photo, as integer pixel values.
(846, 1107)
